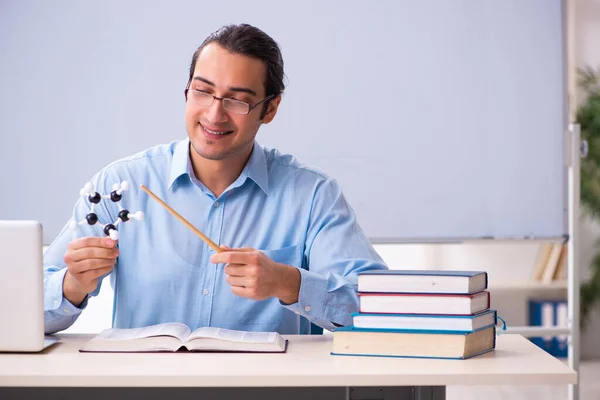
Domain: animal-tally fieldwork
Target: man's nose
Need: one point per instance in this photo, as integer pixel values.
(215, 112)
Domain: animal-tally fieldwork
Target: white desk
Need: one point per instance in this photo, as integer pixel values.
(307, 364)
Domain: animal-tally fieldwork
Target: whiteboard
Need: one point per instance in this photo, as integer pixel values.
(440, 120)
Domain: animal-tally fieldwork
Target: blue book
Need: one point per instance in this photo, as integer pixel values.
(422, 281)
(425, 322)
(352, 341)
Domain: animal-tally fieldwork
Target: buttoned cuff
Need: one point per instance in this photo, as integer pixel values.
(55, 301)
(312, 296)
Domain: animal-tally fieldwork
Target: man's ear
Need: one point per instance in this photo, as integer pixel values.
(272, 109)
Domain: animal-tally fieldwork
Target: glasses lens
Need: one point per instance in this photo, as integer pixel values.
(236, 106)
(201, 98)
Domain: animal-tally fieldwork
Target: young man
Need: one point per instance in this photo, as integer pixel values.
(293, 246)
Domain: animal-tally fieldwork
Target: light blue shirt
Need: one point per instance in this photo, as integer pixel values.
(296, 215)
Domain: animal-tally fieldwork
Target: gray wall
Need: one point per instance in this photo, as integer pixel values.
(439, 119)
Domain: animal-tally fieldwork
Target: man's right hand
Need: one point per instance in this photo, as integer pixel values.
(87, 260)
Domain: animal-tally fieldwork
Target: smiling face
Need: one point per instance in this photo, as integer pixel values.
(215, 133)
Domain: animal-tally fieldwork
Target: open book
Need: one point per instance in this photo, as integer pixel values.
(173, 336)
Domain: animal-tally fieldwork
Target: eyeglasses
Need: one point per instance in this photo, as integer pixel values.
(235, 106)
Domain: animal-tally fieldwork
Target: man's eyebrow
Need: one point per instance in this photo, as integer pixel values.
(233, 89)
(243, 89)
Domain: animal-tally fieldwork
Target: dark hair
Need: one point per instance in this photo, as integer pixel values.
(252, 42)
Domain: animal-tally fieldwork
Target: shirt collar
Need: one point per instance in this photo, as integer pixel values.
(255, 168)
(179, 163)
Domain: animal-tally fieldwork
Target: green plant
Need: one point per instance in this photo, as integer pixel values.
(588, 117)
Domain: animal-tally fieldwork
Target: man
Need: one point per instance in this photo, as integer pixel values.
(293, 248)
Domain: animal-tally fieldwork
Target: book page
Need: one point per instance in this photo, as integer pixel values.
(175, 329)
(234, 336)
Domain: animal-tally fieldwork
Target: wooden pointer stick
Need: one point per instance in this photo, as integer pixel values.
(212, 244)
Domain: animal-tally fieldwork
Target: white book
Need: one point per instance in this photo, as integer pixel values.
(411, 303)
(173, 336)
(422, 281)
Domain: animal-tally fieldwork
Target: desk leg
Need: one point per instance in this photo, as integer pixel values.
(397, 393)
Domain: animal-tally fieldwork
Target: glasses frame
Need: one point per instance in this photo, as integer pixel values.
(250, 106)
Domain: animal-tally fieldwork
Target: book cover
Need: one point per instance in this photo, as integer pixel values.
(424, 272)
(352, 341)
(552, 263)
(423, 281)
(541, 260)
(416, 303)
(425, 322)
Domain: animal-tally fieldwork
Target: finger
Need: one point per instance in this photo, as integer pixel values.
(235, 270)
(89, 281)
(92, 264)
(244, 249)
(235, 257)
(91, 253)
(240, 281)
(92, 242)
(96, 273)
(242, 291)
(227, 248)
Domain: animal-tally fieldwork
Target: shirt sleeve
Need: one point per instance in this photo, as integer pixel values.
(59, 313)
(337, 250)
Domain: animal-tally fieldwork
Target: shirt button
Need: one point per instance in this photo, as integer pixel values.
(216, 204)
(66, 310)
(205, 291)
(55, 302)
(307, 308)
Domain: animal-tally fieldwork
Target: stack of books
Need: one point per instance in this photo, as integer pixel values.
(428, 314)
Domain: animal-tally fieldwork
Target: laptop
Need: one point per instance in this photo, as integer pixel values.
(22, 287)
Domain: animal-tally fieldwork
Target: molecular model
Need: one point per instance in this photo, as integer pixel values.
(115, 196)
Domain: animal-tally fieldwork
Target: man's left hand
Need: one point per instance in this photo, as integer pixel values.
(253, 275)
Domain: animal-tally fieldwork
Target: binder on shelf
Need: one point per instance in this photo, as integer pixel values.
(550, 313)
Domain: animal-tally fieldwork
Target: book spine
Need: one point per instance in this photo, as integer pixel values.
(413, 294)
(469, 316)
(427, 357)
(421, 331)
